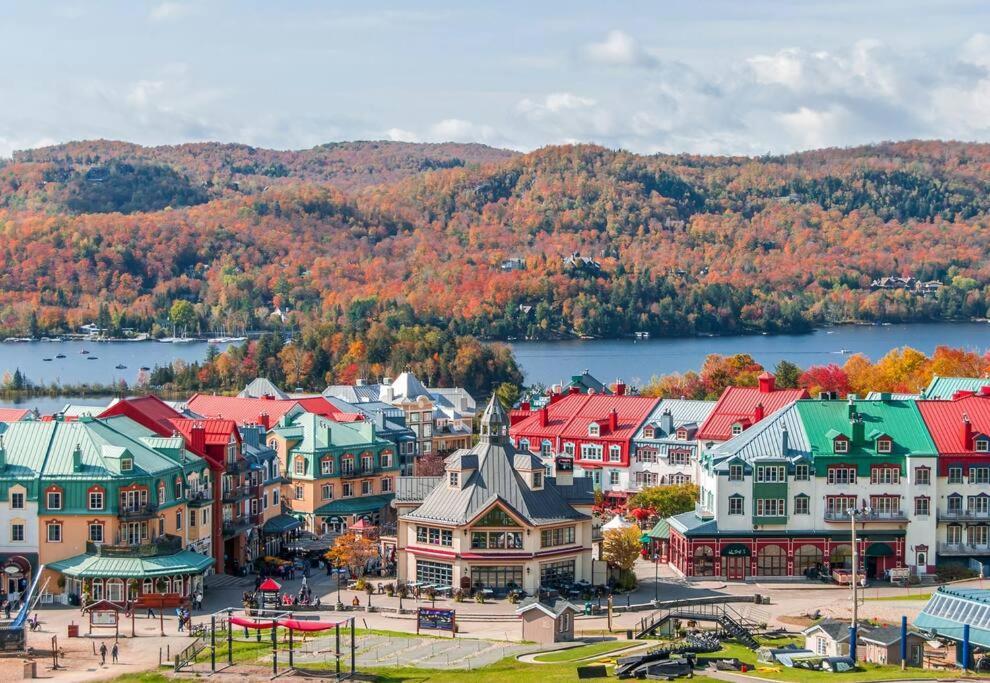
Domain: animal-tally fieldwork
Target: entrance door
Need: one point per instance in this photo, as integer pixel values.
(736, 567)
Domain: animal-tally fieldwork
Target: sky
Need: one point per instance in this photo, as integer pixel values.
(707, 76)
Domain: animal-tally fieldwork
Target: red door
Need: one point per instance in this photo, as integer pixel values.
(736, 567)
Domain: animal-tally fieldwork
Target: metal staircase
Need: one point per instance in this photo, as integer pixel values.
(734, 624)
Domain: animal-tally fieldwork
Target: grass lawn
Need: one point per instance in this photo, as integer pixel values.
(907, 596)
(575, 653)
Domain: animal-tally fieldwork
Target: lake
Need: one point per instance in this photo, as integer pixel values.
(543, 362)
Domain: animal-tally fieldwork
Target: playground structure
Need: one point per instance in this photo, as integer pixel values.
(13, 636)
(286, 631)
(734, 623)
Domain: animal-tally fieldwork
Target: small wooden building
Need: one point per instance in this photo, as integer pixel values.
(882, 645)
(546, 623)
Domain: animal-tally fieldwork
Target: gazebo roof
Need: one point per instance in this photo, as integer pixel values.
(269, 585)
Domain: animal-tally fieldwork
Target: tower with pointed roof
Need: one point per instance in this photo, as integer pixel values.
(494, 423)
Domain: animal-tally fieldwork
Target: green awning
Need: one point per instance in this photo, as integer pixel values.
(96, 567)
(365, 505)
(879, 550)
(661, 530)
(645, 538)
(281, 524)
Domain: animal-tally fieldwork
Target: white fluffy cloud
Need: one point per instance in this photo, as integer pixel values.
(619, 49)
(169, 11)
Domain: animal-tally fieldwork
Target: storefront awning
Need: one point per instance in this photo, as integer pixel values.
(879, 550)
(354, 506)
(281, 524)
(661, 530)
(96, 567)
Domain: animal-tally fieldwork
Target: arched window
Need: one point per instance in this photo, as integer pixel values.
(808, 557)
(771, 560)
(841, 556)
(704, 561)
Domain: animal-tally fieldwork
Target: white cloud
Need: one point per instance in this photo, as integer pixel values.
(459, 130)
(400, 135)
(619, 49)
(169, 11)
(553, 103)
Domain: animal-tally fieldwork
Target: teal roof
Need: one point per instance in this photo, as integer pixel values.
(354, 506)
(319, 433)
(95, 567)
(661, 530)
(281, 524)
(900, 420)
(945, 387)
(689, 523)
(950, 608)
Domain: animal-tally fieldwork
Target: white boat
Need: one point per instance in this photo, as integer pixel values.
(183, 340)
(167, 340)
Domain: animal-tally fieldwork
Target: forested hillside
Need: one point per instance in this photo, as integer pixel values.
(674, 245)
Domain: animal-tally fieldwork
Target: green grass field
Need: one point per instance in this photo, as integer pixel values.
(905, 596)
(575, 653)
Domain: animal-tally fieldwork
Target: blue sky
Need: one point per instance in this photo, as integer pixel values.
(716, 76)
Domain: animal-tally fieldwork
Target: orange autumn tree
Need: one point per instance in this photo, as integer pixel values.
(352, 551)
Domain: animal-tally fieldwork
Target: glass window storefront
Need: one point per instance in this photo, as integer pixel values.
(557, 573)
(497, 578)
(437, 573)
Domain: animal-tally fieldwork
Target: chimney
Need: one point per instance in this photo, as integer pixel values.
(613, 420)
(267, 397)
(783, 440)
(620, 388)
(758, 413)
(197, 441)
(544, 416)
(265, 420)
(359, 382)
(766, 383)
(251, 434)
(3, 455)
(77, 458)
(554, 396)
(852, 407)
(858, 431)
(967, 433)
(524, 406)
(577, 390)
(667, 422)
(985, 390)
(564, 476)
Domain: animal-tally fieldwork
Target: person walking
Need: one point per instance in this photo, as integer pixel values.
(151, 613)
(114, 652)
(103, 654)
(199, 599)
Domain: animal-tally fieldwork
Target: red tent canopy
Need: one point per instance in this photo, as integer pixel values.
(269, 585)
(361, 525)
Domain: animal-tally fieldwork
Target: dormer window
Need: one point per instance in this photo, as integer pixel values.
(594, 429)
(982, 445)
(682, 434)
(648, 433)
(884, 445)
(126, 464)
(840, 445)
(737, 429)
(537, 480)
(454, 478)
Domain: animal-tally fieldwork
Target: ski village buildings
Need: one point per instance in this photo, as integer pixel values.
(146, 497)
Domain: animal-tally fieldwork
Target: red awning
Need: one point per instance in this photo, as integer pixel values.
(291, 624)
(269, 585)
(251, 623)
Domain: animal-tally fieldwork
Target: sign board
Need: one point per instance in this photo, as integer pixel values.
(736, 550)
(103, 618)
(437, 619)
(900, 573)
(564, 464)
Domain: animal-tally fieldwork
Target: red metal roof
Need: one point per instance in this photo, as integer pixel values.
(569, 416)
(149, 411)
(250, 410)
(216, 432)
(739, 404)
(13, 414)
(944, 420)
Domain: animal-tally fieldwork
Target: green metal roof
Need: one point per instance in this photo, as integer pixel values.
(95, 567)
(354, 506)
(280, 524)
(945, 387)
(949, 609)
(661, 530)
(901, 420)
(320, 433)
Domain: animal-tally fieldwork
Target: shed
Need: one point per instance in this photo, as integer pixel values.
(882, 645)
(546, 623)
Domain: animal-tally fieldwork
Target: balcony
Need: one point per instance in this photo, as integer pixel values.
(358, 472)
(889, 516)
(236, 493)
(232, 527)
(702, 511)
(963, 549)
(138, 512)
(236, 466)
(164, 545)
(199, 498)
(964, 516)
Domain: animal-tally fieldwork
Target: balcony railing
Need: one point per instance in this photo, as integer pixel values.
(165, 545)
(963, 549)
(232, 527)
(702, 511)
(135, 512)
(889, 516)
(236, 466)
(199, 498)
(964, 516)
(358, 472)
(236, 493)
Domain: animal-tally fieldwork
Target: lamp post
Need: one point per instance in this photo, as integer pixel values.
(340, 605)
(656, 577)
(853, 514)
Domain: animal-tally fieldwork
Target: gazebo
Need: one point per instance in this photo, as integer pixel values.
(361, 527)
(269, 590)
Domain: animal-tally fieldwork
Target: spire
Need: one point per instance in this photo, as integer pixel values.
(494, 422)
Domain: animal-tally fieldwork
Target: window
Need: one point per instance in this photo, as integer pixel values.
(982, 445)
(434, 536)
(557, 573)
(955, 475)
(840, 445)
(771, 474)
(178, 490)
(837, 505)
(299, 466)
(366, 463)
(884, 445)
(454, 479)
(426, 447)
(192, 517)
(646, 455)
(96, 500)
(126, 464)
(979, 505)
(615, 453)
(161, 494)
(680, 478)
(569, 448)
(770, 507)
(54, 532)
(802, 505)
(326, 466)
(735, 472)
(922, 475)
(564, 535)
(802, 473)
(954, 503)
(496, 517)
(365, 487)
(885, 475)
(613, 478)
(979, 475)
(96, 533)
(299, 493)
(886, 506)
(524, 444)
(546, 449)
(275, 497)
(497, 540)
(16, 501)
(646, 478)
(682, 434)
(648, 432)
(736, 505)
(326, 491)
(921, 506)
(953, 534)
(386, 484)
(737, 429)
(594, 429)
(385, 459)
(435, 573)
(841, 475)
(178, 520)
(538, 480)
(590, 451)
(54, 500)
(16, 532)
(348, 489)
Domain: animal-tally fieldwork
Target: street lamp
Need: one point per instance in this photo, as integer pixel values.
(340, 605)
(853, 514)
(656, 577)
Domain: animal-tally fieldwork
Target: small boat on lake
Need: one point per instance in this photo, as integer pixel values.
(120, 366)
(60, 355)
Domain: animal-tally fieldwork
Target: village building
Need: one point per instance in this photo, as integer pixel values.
(494, 520)
(336, 473)
(390, 423)
(739, 408)
(547, 622)
(775, 499)
(594, 432)
(665, 448)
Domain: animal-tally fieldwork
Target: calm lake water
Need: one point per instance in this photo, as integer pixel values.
(545, 362)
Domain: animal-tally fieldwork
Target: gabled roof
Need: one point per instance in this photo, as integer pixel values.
(944, 419)
(946, 387)
(317, 433)
(250, 410)
(260, 387)
(690, 524)
(586, 381)
(738, 404)
(356, 393)
(765, 438)
(901, 420)
(217, 432)
(407, 386)
(833, 628)
(684, 412)
(554, 609)
(569, 416)
(13, 414)
(150, 411)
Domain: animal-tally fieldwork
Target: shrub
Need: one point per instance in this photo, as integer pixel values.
(479, 597)
(953, 571)
(390, 589)
(403, 590)
(361, 585)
